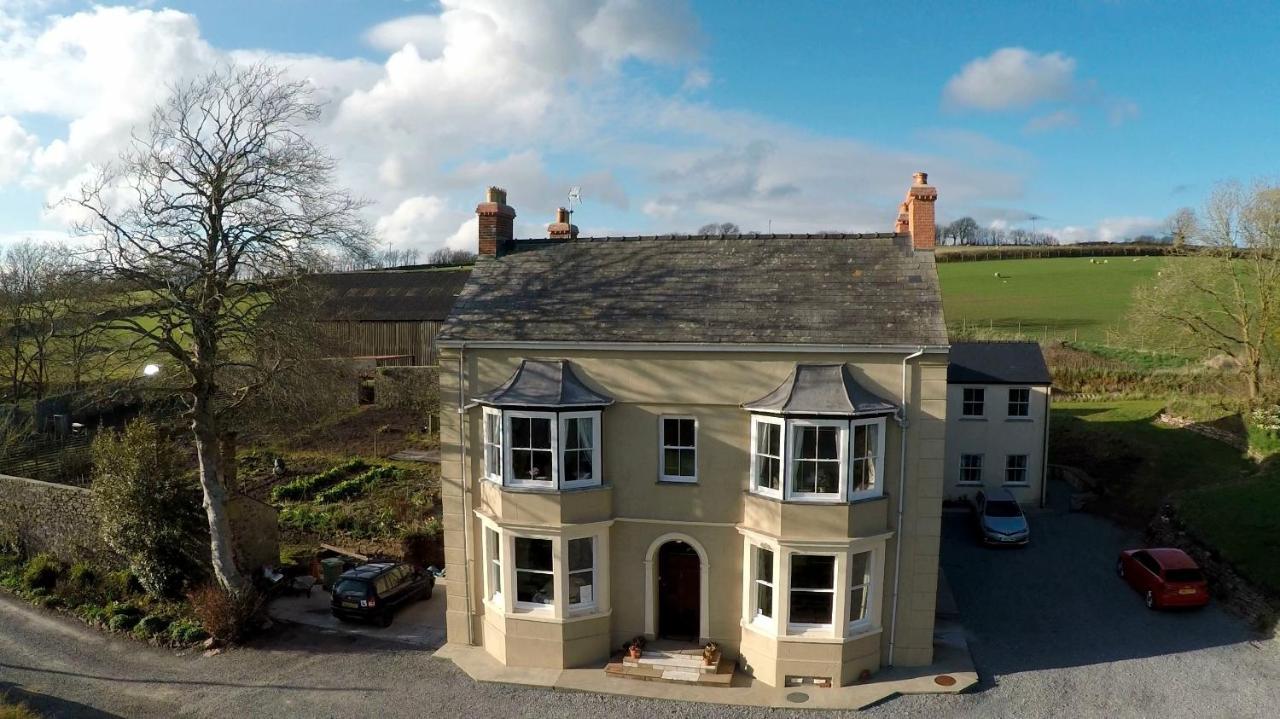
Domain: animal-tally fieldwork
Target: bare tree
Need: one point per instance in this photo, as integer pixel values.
(449, 256)
(720, 229)
(1225, 298)
(207, 219)
(1182, 226)
(35, 288)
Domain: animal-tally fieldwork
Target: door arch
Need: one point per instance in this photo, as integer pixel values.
(652, 562)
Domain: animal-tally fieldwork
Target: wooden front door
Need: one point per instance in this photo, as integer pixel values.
(679, 592)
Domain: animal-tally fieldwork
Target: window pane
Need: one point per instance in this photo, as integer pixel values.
(670, 432)
(858, 566)
(811, 607)
(764, 564)
(764, 600)
(813, 571)
(688, 460)
(535, 587)
(671, 462)
(827, 442)
(828, 477)
(808, 445)
(533, 554)
(767, 472)
(806, 474)
(582, 587)
(580, 554)
(520, 431)
(857, 604)
(541, 432)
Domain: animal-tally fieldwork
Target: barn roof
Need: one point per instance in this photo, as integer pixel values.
(417, 294)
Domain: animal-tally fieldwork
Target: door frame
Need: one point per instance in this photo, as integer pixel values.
(651, 584)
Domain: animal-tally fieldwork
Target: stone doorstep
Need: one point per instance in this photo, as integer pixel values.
(689, 660)
(722, 677)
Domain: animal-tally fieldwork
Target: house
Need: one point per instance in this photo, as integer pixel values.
(388, 316)
(998, 396)
(697, 438)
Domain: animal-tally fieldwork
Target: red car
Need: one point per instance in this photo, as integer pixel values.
(1165, 577)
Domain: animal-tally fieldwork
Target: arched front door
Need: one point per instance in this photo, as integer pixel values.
(679, 591)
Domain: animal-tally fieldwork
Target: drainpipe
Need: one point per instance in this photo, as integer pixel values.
(1044, 450)
(904, 423)
(462, 460)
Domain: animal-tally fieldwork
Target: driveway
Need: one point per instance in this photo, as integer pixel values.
(1054, 632)
(420, 624)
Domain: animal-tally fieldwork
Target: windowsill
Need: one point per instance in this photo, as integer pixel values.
(769, 632)
(1016, 484)
(964, 418)
(970, 484)
(817, 502)
(552, 490)
(1019, 419)
(678, 480)
(550, 618)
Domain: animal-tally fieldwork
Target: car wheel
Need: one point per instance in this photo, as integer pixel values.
(1150, 600)
(1120, 568)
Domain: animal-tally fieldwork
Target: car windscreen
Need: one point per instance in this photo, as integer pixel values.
(1003, 509)
(1183, 575)
(351, 588)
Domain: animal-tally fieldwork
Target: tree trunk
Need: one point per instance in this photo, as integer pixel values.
(209, 451)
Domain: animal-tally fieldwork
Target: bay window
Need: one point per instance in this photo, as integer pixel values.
(535, 575)
(819, 460)
(493, 555)
(541, 450)
(582, 573)
(813, 591)
(819, 591)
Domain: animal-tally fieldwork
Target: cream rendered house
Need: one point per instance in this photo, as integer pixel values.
(997, 420)
(697, 438)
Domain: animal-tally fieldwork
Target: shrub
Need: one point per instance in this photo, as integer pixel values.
(224, 615)
(304, 488)
(150, 626)
(120, 584)
(122, 622)
(42, 572)
(92, 613)
(81, 576)
(354, 487)
(9, 710)
(1264, 430)
(419, 544)
(185, 631)
(149, 506)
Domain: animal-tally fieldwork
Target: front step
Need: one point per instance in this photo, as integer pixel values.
(678, 666)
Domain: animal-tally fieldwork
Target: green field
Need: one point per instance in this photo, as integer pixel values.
(1062, 298)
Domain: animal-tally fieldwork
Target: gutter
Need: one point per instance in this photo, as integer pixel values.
(903, 422)
(466, 516)
(550, 346)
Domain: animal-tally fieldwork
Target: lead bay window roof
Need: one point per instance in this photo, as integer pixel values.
(550, 384)
(821, 389)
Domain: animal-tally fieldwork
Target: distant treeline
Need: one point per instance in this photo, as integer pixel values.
(972, 253)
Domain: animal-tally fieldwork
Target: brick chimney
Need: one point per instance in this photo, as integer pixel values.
(562, 229)
(919, 212)
(497, 222)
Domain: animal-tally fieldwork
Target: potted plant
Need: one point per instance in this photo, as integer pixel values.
(711, 654)
(635, 647)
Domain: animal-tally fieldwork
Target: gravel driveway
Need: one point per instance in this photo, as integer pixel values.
(1053, 631)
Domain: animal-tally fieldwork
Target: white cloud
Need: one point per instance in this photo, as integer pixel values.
(1111, 229)
(406, 224)
(16, 146)
(1055, 120)
(424, 32)
(696, 79)
(1010, 78)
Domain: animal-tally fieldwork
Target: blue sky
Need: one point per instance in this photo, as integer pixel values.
(1097, 118)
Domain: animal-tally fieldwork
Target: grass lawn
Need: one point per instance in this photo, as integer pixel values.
(1139, 463)
(1060, 298)
(1242, 521)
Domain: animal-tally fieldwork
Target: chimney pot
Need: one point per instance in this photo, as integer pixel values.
(562, 215)
(921, 178)
(498, 195)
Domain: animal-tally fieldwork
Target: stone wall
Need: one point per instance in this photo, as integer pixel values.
(53, 518)
(58, 519)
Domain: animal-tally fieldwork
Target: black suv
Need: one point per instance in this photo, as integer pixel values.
(375, 591)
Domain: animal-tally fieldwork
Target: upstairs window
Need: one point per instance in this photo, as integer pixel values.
(531, 437)
(580, 439)
(816, 458)
(766, 455)
(679, 446)
(493, 444)
(1019, 402)
(864, 459)
(974, 401)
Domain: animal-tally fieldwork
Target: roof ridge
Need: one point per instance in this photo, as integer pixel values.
(748, 236)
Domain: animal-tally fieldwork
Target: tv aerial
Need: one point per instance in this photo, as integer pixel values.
(575, 198)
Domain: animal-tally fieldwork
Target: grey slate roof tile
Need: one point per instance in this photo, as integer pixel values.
(997, 363)
(833, 289)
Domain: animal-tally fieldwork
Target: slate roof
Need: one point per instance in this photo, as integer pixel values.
(772, 289)
(828, 389)
(420, 294)
(997, 363)
(542, 383)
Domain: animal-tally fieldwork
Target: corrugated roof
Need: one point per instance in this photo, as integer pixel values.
(773, 289)
(828, 389)
(997, 363)
(544, 383)
(422, 294)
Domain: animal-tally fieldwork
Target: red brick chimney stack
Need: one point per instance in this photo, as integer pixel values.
(919, 210)
(497, 222)
(562, 228)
